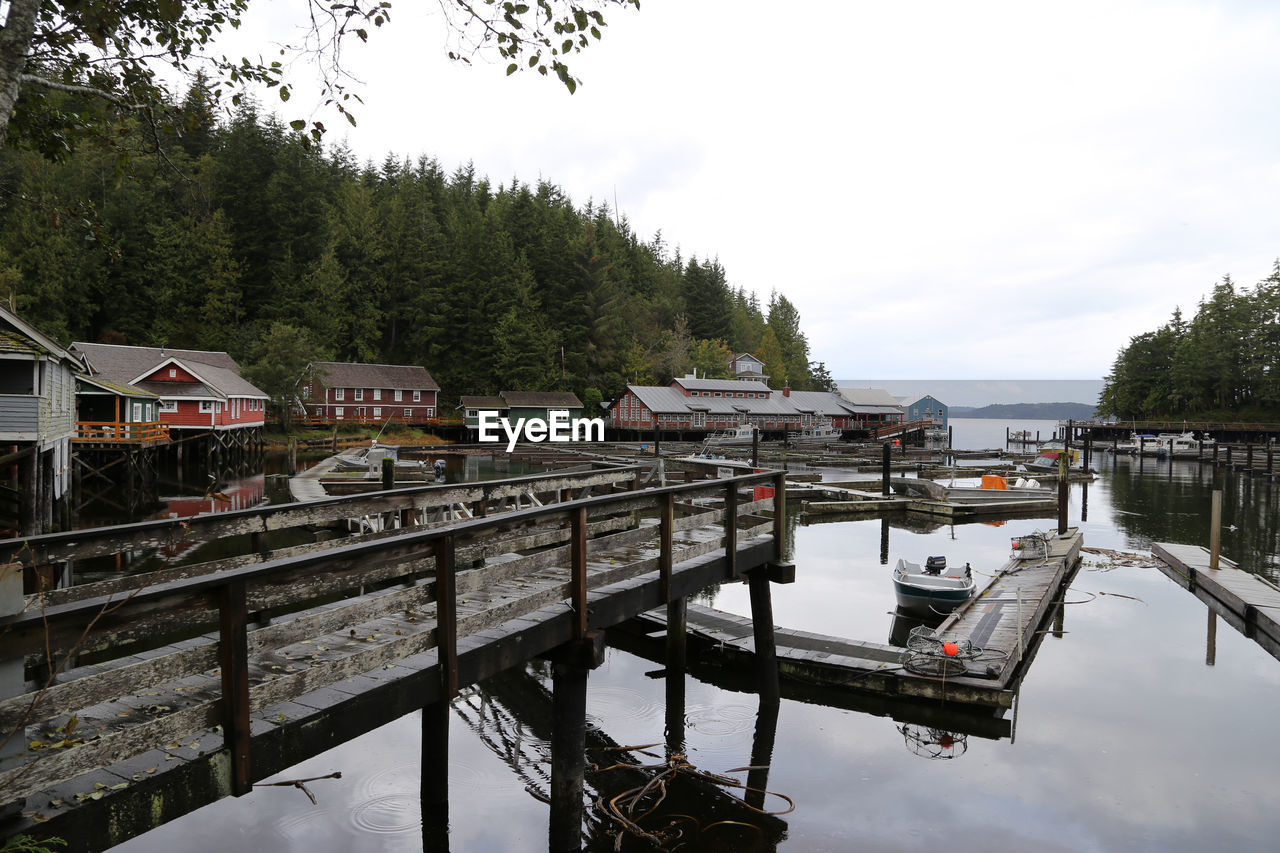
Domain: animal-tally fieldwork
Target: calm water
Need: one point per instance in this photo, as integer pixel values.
(1124, 740)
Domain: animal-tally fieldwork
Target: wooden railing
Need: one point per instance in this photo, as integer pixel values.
(113, 627)
(899, 429)
(121, 432)
(370, 420)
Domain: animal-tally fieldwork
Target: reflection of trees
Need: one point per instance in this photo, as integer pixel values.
(1169, 502)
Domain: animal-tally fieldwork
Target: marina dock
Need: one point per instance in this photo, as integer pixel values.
(1247, 602)
(1001, 623)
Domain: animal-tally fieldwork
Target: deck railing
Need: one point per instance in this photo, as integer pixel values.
(121, 432)
(368, 419)
(430, 566)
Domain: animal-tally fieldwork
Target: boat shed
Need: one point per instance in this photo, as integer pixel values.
(925, 407)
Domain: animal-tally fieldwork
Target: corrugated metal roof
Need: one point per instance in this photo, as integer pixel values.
(663, 400)
(821, 403)
(869, 397)
(541, 399)
(734, 385)
(124, 364)
(346, 374)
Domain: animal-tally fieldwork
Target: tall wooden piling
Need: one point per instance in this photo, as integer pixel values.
(293, 456)
(1062, 490)
(677, 635)
(675, 698)
(1211, 639)
(762, 629)
(568, 756)
(434, 790)
(1215, 528)
(388, 473)
(884, 469)
(761, 754)
(755, 446)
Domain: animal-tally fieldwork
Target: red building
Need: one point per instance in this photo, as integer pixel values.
(334, 392)
(198, 390)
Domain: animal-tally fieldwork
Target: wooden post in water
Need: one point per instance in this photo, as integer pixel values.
(1271, 444)
(1248, 457)
(884, 469)
(1088, 448)
(1215, 529)
(951, 437)
(755, 446)
(335, 438)
(675, 699)
(1215, 454)
(233, 661)
(12, 676)
(731, 528)
(677, 636)
(1228, 456)
(762, 629)
(657, 442)
(761, 754)
(568, 756)
(388, 473)
(293, 456)
(1062, 492)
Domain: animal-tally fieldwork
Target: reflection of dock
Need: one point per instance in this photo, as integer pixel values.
(1247, 602)
(1003, 620)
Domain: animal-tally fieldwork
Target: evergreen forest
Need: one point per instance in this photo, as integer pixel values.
(241, 234)
(1222, 363)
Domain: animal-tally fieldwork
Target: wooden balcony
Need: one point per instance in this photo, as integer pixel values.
(120, 432)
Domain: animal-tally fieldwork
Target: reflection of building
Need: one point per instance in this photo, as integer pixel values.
(369, 393)
(37, 418)
(924, 407)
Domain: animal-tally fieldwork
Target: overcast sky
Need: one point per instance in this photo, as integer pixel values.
(943, 189)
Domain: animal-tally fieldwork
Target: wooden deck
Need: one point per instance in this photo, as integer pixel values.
(174, 693)
(1248, 602)
(993, 620)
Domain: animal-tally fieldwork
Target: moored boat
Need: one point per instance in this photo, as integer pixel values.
(931, 588)
(740, 434)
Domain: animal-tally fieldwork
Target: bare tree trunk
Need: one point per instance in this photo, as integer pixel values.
(15, 43)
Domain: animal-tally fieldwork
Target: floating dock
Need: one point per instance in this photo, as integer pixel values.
(1248, 602)
(1003, 621)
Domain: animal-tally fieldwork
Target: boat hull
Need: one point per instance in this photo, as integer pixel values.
(924, 593)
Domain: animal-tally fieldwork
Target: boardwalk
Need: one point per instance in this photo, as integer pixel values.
(179, 690)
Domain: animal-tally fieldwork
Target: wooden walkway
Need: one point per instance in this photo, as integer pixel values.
(174, 693)
(1248, 602)
(993, 620)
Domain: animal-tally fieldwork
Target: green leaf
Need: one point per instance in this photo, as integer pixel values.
(284, 93)
(297, 124)
(511, 69)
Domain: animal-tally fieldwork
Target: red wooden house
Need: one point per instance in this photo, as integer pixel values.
(334, 392)
(198, 390)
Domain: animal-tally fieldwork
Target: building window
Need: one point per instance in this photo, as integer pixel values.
(377, 411)
(168, 405)
(417, 396)
(717, 394)
(359, 394)
(399, 395)
(319, 411)
(173, 373)
(338, 393)
(431, 413)
(206, 406)
(337, 413)
(408, 413)
(377, 393)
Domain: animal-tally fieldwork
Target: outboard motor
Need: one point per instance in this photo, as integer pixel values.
(438, 466)
(935, 565)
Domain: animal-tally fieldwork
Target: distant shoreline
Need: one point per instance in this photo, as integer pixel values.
(1027, 411)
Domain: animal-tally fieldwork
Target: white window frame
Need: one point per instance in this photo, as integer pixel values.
(377, 393)
(206, 407)
(168, 405)
(431, 412)
(377, 411)
(339, 393)
(359, 394)
(337, 413)
(173, 373)
(417, 396)
(408, 413)
(399, 395)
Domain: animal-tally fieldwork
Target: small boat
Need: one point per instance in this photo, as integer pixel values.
(932, 587)
(1184, 445)
(740, 434)
(816, 434)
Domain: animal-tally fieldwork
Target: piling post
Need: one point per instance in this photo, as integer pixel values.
(1271, 443)
(293, 456)
(1248, 458)
(1062, 491)
(779, 517)
(1215, 529)
(388, 473)
(951, 437)
(657, 442)
(755, 446)
(233, 661)
(1215, 454)
(731, 529)
(675, 698)
(1088, 448)
(677, 636)
(12, 677)
(884, 540)
(568, 756)
(1007, 439)
(884, 469)
(762, 629)
(1228, 456)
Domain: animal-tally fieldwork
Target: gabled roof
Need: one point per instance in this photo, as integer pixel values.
(542, 399)
(25, 338)
(481, 402)
(130, 365)
(869, 397)
(742, 355)
(911, 401)
(821, 403)
(665, 400)
(347, 374)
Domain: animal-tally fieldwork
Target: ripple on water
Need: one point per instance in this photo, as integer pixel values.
(620, 703)
(723, 728)
(390, 814)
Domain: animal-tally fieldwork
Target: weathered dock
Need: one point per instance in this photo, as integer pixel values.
(172, 692)
(1247, 602)
(1002, 621)
(924, 497)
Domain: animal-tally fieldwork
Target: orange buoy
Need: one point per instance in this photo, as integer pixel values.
(951, 649)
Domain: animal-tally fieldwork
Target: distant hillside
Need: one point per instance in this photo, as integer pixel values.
(1027, 411)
